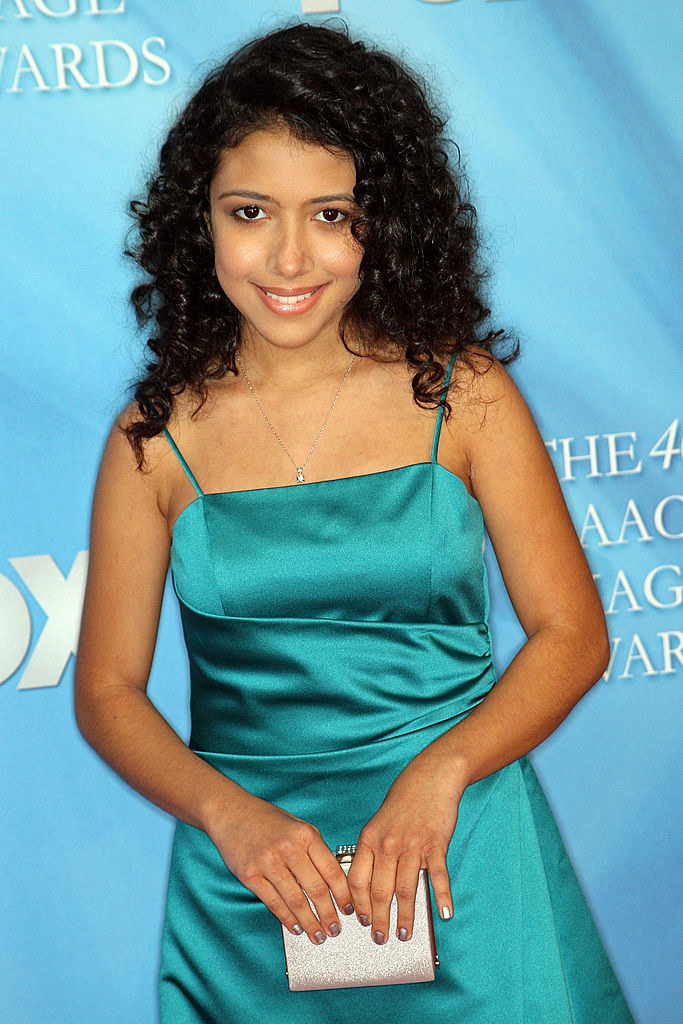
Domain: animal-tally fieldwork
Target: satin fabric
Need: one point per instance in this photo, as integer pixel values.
(333, 630)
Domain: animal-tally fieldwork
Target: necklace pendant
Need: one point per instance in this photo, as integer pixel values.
(300, 475)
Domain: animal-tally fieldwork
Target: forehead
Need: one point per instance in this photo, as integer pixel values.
(274, 155)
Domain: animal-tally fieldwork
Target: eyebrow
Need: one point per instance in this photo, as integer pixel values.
(344, 197)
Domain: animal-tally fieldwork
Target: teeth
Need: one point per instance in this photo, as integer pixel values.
(289, 300)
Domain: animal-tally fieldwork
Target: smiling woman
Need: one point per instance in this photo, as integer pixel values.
(288, 256)
(306, 241)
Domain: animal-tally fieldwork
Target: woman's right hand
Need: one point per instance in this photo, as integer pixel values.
(278, 856)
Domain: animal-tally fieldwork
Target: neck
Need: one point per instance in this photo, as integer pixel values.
(299, 368)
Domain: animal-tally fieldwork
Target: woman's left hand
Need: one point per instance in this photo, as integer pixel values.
(411, 830)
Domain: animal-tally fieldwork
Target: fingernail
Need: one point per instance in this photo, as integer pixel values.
(379, 938)
(365, 921)
(297, 929)
(348, 909)
(446, 913)
(403, 934)
(334, 929)
(320, 937)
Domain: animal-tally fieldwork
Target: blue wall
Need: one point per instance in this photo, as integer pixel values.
(565, 114)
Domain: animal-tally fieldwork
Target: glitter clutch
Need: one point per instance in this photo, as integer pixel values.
(352, 959)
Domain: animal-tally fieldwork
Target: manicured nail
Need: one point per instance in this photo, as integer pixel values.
(365, 921)
(320, 937)
(334, 929)
(297, 929)
(348, 909)
(446, 913)
(403, 934)
(379, 938)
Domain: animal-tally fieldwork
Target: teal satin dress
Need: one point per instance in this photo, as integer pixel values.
(334, 629)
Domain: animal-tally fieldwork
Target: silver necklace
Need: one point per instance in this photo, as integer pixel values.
(300, 478)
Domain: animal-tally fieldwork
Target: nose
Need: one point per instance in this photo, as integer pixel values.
(290, 255)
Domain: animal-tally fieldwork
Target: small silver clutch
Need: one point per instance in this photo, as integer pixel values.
(353, 959)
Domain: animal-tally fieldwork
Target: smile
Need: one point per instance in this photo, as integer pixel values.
(290, 305)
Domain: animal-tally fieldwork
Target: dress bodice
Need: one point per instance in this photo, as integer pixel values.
(369, 591)
(401, 545)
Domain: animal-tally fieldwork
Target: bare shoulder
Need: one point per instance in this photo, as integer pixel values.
(487, 389)
(119, 453)
(488, 412)
(123, 480)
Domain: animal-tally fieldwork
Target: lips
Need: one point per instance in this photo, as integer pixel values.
(289, 302)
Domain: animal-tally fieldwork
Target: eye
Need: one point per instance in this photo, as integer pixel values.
(249, 210)
(335, 213)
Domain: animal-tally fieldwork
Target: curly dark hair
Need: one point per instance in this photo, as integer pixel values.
(416, 225)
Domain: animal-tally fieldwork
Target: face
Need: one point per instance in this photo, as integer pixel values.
(279, 219)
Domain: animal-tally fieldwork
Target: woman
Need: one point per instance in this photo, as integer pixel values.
(312, 279)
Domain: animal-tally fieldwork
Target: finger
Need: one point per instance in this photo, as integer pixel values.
(331, 870)
(271, 898)
(438, 874)
(291, 892)
(358, 879)
(318, 891)
(407, 875)
(382, 886)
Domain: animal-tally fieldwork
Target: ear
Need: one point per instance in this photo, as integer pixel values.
(206, 216)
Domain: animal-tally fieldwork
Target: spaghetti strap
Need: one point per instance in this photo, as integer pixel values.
(439, 416)
(182, 462)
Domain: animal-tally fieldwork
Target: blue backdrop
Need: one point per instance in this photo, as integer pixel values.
(566, 114)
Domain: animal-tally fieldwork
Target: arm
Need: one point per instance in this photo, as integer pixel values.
(552, 591)
(549, 584)
(129, 554)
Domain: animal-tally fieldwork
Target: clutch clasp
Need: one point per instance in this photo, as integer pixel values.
(346, 853)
